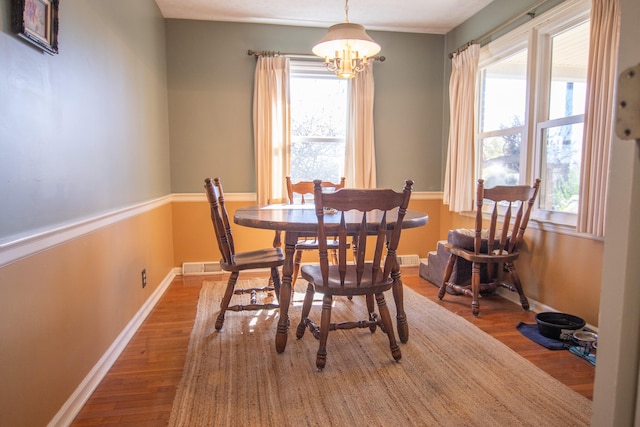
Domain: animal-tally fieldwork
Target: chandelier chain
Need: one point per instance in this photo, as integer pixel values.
(346, 11)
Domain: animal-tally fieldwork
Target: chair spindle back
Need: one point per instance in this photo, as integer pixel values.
(303, 188)
(220, 219)
(519, 198)
(375, 207)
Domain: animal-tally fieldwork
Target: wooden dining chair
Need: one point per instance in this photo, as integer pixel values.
(296, 192)
(493, 246)
(235, 262)
(379, 213)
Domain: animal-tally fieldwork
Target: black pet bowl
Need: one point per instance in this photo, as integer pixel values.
(552, 325)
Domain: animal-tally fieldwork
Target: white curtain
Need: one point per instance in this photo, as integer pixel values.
(598, 120)
(271, 123)
(459, 177)
(360, 156)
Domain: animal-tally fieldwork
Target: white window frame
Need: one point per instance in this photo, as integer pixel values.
(535, 37)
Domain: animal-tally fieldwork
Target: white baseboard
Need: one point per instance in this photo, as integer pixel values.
(79, 397)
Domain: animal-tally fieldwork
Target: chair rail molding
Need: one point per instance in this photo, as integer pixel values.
(14, 249)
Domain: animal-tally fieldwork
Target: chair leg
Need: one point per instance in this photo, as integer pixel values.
(371, 309)
(388, 326)
(325, 323)
(296, 268)
(447, 275)
(475, 288)
(511, 268)
(277, 243)
(306, 308)
(224, 304)
(402, 324)
(275, 281)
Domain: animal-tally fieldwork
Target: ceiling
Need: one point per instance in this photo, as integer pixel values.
(413, 16)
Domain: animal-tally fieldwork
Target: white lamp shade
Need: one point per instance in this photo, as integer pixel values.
(346, 36)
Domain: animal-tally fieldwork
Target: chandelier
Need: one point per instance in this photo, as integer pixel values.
(346, 48)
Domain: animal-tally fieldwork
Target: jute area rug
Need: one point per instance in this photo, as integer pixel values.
(451, 374)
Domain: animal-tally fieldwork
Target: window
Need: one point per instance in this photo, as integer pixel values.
(318, 122)
(560, 127)
(502, 119)
(531, 101)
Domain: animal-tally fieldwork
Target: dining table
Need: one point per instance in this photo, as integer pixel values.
(300, 220)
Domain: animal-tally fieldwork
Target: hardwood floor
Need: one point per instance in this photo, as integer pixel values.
(140, 387)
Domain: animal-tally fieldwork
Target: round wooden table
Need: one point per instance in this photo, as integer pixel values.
(299, 221)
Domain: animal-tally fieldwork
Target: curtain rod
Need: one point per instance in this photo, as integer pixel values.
(296, 55)
(483, 38)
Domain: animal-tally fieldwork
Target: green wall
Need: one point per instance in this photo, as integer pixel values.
(492, 17)
(210, 83)
(85, 131)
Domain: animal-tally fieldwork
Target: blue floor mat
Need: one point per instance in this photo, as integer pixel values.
(531, 332)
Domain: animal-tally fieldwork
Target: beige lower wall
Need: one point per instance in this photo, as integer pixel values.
(61, 309)
(564, 272)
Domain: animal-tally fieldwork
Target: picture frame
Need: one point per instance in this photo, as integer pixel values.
(37, 22)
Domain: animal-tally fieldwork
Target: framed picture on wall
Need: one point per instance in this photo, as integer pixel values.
(37, 22)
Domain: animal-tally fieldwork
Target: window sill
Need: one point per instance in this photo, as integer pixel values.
(560, 228)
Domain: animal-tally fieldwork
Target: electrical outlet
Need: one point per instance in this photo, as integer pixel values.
(144, 277)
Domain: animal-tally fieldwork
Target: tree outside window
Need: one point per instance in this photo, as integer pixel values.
(318, 123)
